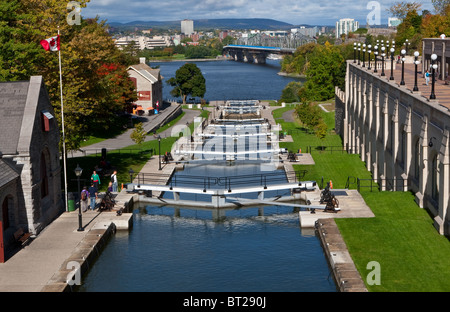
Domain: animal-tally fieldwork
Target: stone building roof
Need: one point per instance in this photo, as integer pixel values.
(13, 98)
(151, 74)
(7, 173)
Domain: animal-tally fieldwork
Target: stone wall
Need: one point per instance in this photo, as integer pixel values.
(391, 128)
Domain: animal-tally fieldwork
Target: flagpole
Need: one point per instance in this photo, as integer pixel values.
(66, 195)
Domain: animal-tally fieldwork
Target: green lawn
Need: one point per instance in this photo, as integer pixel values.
(401, 238)
(131, 157)
(413, 257)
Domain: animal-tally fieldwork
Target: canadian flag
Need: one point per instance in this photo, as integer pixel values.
(51, 44)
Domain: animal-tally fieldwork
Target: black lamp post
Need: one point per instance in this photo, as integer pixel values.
(433, 78)
(159, 151)
(376, 57)
(359, 53)
(407, 43)
(78, 171)
(131, 172)
(416, 62)
(392, 64)
(382, 61)
(402, 83)
(354, 52)
(370, 52)
(364, 55)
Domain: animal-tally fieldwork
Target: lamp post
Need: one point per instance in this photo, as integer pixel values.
(402, 83)
(131, 172)
(382, 61)
(407, 43)
(376, 57)
(78, 171)
(354, 52)
(416, 62)
(370, 52)
(392, 64)
(359, 53)
(159, 151)
(433, 78)
(364, 55)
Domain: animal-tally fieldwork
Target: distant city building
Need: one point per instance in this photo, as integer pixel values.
(309, 32)
(345, 26)
(187, 27)
(394, 21)
(142, 42)
(276, 33)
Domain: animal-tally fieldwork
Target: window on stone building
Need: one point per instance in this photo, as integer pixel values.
(44, 176)
(5, 213)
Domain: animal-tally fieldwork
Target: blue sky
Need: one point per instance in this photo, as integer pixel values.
(314, 12)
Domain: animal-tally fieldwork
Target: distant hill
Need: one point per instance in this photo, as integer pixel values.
(226, 23)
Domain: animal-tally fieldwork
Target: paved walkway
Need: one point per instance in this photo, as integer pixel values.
(42, 265)
(150, 123)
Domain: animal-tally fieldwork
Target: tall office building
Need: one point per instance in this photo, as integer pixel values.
(187, 27)
(346, 25)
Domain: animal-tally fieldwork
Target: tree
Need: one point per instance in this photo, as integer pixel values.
(188, 80)
(401, 9)
(17, 52)
(92, 97)
(440, 6)
(291, 93)
(138, 135)
(326, 69)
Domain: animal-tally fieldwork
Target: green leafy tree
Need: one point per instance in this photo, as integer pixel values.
(188, 80)
(291, 93)
(138, 135)
(326, 70)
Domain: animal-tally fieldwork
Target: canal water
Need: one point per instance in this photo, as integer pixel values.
(230, 80)
(248, 249)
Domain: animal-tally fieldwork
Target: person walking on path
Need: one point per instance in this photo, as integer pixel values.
(427, 78)
(84, 199)
(114, 181)
(95, 179)
(93, 195)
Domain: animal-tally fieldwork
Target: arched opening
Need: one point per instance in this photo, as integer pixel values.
(435, 178)
(417, 160)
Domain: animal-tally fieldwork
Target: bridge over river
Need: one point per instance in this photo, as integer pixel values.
(256, 48)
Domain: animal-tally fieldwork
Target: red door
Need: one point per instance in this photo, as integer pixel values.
(2, 249)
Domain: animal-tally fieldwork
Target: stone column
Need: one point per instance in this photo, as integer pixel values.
(442, 219)
(395, 144)
(423, 155)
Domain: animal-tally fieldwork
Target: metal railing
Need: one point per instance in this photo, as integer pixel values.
(263, 179)
(393, 184)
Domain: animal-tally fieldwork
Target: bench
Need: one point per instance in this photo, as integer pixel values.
(21, 237)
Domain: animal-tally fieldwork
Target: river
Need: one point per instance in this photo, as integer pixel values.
(233, 80)
(188, 250)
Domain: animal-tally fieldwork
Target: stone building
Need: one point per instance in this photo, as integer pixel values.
(30, 170)
(401, 135)
(148, 83)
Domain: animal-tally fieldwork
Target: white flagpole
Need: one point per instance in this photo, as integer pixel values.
(66, 195)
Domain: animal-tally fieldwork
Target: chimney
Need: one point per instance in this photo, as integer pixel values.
(142, 60)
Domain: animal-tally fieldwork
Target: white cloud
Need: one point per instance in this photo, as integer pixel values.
(322, 12)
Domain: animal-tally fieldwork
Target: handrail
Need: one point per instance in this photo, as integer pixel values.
(262, 179)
